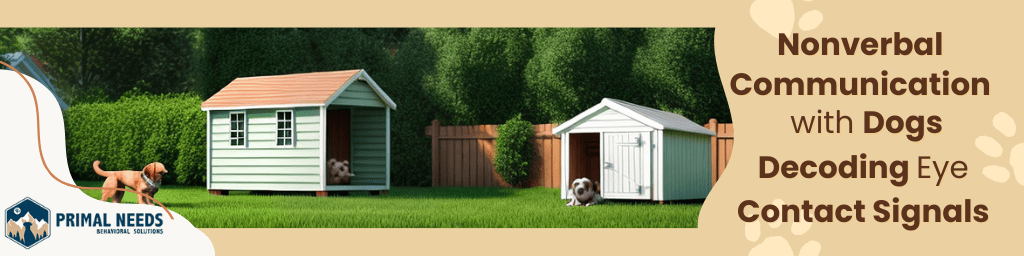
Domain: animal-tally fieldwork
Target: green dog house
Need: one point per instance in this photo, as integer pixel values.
(276, 133)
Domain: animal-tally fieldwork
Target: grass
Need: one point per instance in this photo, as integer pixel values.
(413, 207)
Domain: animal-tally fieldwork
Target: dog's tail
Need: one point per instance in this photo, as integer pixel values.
(101, 172)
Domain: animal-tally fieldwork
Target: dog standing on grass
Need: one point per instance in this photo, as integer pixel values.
(583, 192)
(146, 181)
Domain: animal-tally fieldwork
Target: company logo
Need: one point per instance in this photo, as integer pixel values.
(28, 223)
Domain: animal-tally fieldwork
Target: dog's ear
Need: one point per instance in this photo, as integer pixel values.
(597, 186)
(150, 170)
(161, 169)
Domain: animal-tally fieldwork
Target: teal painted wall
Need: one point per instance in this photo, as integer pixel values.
(369, 146)
(261, 164)
(686, 169)
(359, 93)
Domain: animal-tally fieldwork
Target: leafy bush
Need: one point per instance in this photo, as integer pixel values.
(136, 130)
(513, 150)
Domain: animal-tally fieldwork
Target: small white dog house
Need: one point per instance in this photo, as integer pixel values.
(278, 132)
(636, 152)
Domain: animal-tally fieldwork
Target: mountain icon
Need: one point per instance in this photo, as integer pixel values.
(31, 227)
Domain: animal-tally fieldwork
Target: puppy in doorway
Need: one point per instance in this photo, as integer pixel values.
(338, 173)
(583, 192)
(146, 181)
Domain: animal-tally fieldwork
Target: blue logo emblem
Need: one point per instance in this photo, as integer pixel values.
(28, 223)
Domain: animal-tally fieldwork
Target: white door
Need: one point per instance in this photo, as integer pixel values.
(626, 157)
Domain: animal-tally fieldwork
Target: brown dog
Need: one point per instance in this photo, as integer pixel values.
(146, 181)
(339, 173)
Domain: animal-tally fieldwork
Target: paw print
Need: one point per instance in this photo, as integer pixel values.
(776, 16)
(778, 245)
(988, 145)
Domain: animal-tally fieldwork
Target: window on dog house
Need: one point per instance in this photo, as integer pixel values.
(285, 132)
(237, 129)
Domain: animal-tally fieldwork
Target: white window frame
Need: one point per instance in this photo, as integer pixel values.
(243, 129)
(291, 129)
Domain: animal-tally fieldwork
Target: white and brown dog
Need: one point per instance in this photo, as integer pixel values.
(583, 192)
(338, 173)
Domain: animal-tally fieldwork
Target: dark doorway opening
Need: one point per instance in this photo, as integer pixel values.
(584, 157)
(339, 130)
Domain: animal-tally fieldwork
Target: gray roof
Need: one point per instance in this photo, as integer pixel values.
(670, 121)
(27, 66)
(658, 119)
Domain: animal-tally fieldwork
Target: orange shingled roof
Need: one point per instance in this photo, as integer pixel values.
(292, 89)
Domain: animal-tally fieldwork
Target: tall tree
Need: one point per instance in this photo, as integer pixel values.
(478, 76)
(229, 53)
(9, 43)
(101, 64)
(678, 70)
(574, 68)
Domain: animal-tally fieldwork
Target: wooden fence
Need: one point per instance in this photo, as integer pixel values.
(463, 156)
(721, 148)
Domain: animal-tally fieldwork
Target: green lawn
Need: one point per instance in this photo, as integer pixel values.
(413, 207)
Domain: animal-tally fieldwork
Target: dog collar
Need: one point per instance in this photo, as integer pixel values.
(149, 181)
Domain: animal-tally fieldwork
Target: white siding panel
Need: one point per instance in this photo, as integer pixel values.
(266, 186)
(250, 161)
(564, 180)
(223, 144)
(267, 152)
(609, 118)
(658, 187)
(355, 187)
(284, 170)
(272, 135)
(266, 178)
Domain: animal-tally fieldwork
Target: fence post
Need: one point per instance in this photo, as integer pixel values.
(435, 161)
(713, 126)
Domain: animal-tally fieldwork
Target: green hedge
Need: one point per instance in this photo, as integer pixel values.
(136, 130)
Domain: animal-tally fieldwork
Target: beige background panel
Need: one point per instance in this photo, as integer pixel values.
(383, 13)
(976, 43)
(980, 39)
